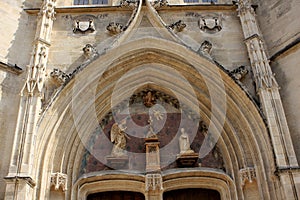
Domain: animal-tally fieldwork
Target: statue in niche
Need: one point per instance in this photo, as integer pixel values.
(118, 138)
(184, 143)
(149, 99)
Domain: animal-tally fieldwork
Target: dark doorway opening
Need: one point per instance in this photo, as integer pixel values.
(192, 194)
(116, 195)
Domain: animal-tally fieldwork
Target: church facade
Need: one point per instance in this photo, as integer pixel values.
(140, 99)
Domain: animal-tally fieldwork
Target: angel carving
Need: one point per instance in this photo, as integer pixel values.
(118, 138)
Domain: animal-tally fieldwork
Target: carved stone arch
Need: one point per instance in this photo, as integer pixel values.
(244, 137)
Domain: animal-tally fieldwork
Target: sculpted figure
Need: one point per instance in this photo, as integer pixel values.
(118, 138)
(184, 143)
(149, 99)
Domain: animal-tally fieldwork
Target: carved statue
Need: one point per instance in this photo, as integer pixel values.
(89, 51)
(178, 26)
(149, 99)
(151, 133)
(118, 138)
(239, 72)
(184, 143)
(205, 48)
(114, 28)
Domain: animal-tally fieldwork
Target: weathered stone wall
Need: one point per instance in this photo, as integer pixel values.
(280, 28)
(9, 102)
(278, 22)
(287, 74)
(16, 38)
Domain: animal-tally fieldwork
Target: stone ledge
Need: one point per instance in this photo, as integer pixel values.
(27, 179)
(11, 68)
(93, 8)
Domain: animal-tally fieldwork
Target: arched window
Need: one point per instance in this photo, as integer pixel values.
(90, 2)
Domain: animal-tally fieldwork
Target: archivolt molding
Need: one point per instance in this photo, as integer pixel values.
(60, 147)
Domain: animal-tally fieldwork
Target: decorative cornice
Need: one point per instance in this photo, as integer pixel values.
(96, 8)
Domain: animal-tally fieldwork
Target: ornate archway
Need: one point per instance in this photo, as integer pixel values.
(67, 124)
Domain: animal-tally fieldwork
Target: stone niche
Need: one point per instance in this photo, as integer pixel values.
(168, 132)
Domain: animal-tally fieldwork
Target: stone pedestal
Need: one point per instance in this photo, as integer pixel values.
(117, 162)
(187, 160)
(152, 155)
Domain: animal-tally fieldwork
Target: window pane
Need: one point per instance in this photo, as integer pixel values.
(100, 1)
(209, 1)
(81, 2)
(191, 1)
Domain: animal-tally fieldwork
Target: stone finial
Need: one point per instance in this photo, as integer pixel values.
(178, 26)
(89, 51)
(159, 4)
(239, 73)
(114, 28)
(153, 182)
(59, 180)
(247, 174)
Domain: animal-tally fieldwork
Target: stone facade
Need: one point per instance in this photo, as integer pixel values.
(225, 71)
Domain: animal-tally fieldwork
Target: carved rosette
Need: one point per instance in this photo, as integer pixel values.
(153, 182)
(247, 174)
(59, 180)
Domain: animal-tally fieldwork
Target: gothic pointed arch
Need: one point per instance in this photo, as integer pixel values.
(227, 110)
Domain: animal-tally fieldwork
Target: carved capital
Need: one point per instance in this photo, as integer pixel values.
(153, 182)
(177, 26)
(59, 180)
(247, 174)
